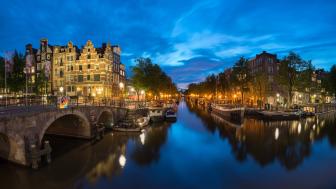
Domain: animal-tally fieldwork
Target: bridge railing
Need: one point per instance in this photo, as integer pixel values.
(53, 101)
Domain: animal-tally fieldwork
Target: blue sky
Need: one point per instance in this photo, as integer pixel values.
(189, 39)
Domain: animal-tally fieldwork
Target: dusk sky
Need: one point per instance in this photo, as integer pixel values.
(189, 39)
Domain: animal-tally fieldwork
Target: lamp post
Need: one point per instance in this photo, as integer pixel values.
(61, 89)
(121, 93)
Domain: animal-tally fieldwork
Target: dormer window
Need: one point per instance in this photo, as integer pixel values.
(88, 56)
(88, 49)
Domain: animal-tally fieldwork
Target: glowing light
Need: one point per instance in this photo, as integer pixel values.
(276, 134)
(61, 89)
(299, 128)
(314, 126)
(122, 160)
(121, 85)
(278, 95)
(142, 92)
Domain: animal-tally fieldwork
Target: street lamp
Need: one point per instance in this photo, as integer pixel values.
(61, 89)
(121, 87)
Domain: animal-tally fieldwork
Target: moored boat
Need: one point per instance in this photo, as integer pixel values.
(235, 114)
(156, 114)
(170, 115)
(280, 115)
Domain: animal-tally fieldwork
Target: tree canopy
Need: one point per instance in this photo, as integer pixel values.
(151, 78)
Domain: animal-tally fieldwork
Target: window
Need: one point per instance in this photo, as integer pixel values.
(88, 56)
(80, 68)
(88, 49)
(71, 68)
(61, 73)
(69, 88)
(80, 78)
(96, 77)
(88, 66)
(69, 49)
(88, 77)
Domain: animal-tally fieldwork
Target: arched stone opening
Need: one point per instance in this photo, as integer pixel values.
(66, 133)
(69, 125)
(106, 118)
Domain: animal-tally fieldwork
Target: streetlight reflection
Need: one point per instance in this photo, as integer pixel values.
(122, 160)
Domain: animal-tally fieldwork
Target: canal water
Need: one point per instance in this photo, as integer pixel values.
(200, 150)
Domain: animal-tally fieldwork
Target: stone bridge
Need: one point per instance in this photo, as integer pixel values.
(19, 129)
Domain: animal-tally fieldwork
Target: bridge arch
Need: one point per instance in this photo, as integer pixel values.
(105, 117)
(73, 124)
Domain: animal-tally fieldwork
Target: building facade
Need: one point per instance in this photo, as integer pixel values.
(86, 72)
(267, 65)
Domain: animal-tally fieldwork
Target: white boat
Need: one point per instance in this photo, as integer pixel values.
(170, 115)
(156, 114)
(232, 114)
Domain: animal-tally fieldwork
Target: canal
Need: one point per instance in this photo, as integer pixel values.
(198, 151)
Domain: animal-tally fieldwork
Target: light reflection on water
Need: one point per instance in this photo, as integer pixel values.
(198, 151)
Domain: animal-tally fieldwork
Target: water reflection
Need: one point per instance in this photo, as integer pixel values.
(288, 142)
(200, 150)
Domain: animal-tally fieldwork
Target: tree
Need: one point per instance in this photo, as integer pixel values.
(289, 72)
(332, 79)
(260, 83)
(224, 83)
(150, 77)
(305, 81)
(16, 79)
(240, 76)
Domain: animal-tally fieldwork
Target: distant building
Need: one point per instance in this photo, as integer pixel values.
(85, 72)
